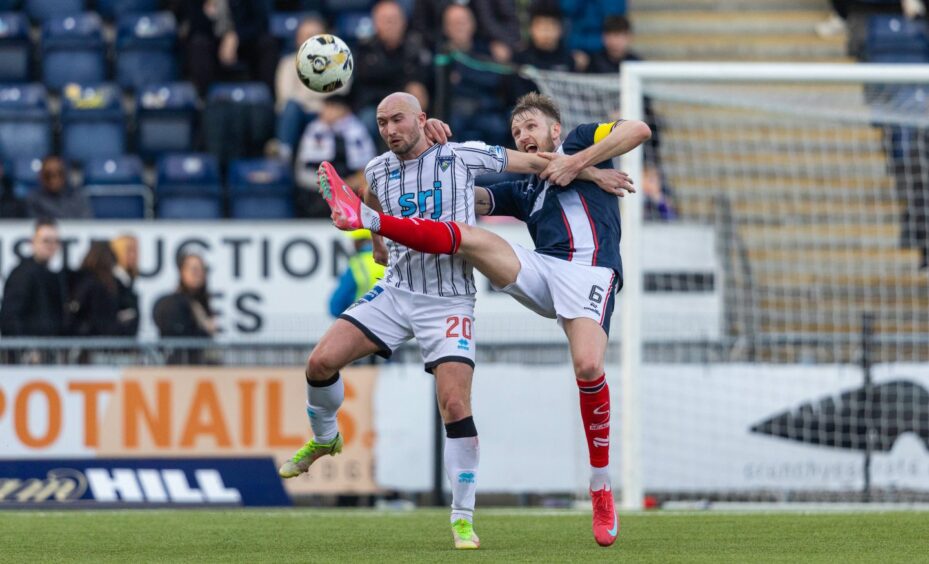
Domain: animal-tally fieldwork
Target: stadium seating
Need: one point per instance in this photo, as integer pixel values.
(92, 122)
(113, 9)
(284, 27)
(25, 123)
(115, 188)
(894, 38)
(238, 120)
(166, 117)
(145, 49)
(73, 51)
(15, 48)
(354, 26)
(260, 189)
(42, 10)
(25, 175)
(188, 187)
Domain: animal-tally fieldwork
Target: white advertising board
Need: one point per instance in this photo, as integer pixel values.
(271, 281)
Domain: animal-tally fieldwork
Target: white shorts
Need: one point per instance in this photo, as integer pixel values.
(443, 326)
(559, 289)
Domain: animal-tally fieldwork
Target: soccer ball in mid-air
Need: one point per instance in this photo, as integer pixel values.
(324, 63)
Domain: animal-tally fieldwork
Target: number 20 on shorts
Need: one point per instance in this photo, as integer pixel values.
(458, 327)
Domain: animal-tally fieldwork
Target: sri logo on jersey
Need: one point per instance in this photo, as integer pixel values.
(445, 162)
(418, 203)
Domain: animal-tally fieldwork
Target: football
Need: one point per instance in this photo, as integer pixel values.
(324, 63)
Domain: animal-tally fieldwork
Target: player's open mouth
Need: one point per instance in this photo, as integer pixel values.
(532, 148)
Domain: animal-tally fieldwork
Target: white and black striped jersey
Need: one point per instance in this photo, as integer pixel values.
(439, 185)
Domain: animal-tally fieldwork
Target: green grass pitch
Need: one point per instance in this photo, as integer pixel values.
(301, 535)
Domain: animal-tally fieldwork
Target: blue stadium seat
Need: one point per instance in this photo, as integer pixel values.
(25, 175)
(894, 38)
(115, 189)
(41, 10)
(25, 122)
(73, 51)
(113, 9)
(354, 26)
(284, 27)
(260, 189)
(92, 122)
(145, 49)
(238, 120)
(15, 48)
(189, 187)
(166, 117)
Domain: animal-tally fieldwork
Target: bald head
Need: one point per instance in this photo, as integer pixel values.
(401, 101)
(400, 121)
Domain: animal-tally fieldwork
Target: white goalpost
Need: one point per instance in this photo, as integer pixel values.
(791, 362)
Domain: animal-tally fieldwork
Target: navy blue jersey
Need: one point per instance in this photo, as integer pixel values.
(577, 223)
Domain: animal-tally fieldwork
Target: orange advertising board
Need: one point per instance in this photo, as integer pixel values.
(184, 412)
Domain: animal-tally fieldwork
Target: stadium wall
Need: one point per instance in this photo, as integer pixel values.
(713, 428)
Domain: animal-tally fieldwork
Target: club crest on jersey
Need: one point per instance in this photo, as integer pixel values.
(445, 162)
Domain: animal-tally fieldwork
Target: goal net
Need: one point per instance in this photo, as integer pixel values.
(775, 318)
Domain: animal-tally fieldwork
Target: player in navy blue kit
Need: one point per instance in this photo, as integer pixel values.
(575, 269)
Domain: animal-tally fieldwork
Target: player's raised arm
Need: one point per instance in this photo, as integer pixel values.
(622, 137)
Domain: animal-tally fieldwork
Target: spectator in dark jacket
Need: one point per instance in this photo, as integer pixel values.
(584, 19)
(477, 93)
(617, 39)
(54, 198)
(497, 24)
(94, 303)
(390, 61)
(33, 296)
(187, 312)
(227, 37)
(126, 270)
(546, 48)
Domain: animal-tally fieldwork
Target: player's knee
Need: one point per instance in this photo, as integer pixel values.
(319, 366)
(588, 369)
(455, 408)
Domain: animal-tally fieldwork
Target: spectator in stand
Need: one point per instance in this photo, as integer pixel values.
(54, 198)
(296, 104)
(94, 301)
(390, 61)
(617, 39)
(497, 24)
(337, 136)
(836, 23)
(187, 312)
(477, 94)
(546, 50)
(126, 270)
(584, 20)
(34, 296)
(227, 37)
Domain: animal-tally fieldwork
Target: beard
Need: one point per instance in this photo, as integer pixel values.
(405, 148)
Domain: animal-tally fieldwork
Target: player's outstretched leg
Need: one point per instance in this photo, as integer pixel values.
(350, 213)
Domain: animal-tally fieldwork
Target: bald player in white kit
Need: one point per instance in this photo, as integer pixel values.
(426, 296)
